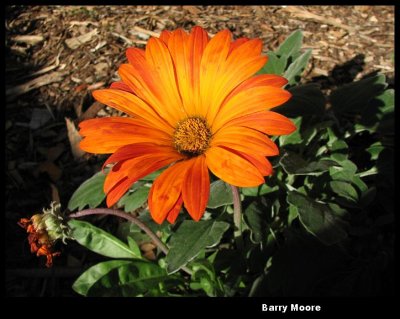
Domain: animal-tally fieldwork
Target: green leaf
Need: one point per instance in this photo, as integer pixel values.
(339, 150)
(375, 149)
(140, 278)
(152, 176)
(295, 137)
(133, 246)
(255, 219)
(275, 65)
(85, 281)
(294, 71)
(354, 97)
(204, 277)
(345, 172)
(345, 190)
(292, 45)
(89, 193)
(318, 219)
(294, 164)
(378, 115)
(190, 238)
(357, 181)
(259, 190)
(99, 241)
(220, 194)
(121, 278)
(307, 99)
(133, 200)
(377, 108)
(293, 214)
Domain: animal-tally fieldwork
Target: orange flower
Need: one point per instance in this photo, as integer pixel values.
(195, 105)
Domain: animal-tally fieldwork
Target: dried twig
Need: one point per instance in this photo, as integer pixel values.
(35, 83)
(91, 111)
(150, 33)
(125, 39)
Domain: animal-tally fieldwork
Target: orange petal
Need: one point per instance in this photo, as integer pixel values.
(245, 140)
(233, 168)
(121, 86)
(128, 172)
(159, 58)
(138, 167)
(268, 122)
(196, 188)
(145, 82)
(135, 150)
(250, 101)
(166, 190)
(235, 44)
(131, 105)
(174, 212)
(165, 35)
(105, 135)
(132, 54)
(259, 80)
(242, 63)
(114, 195)
(186, 52)
(259, 161)
(214, 56)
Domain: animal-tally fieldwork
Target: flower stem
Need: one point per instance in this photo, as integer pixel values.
(132, 219)
(237, 217)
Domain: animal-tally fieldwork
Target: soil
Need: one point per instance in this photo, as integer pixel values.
(57, 55)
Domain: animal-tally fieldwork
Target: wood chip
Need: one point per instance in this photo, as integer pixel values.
(74, 43)
(192, 9)
(74, 139)
(28, 39)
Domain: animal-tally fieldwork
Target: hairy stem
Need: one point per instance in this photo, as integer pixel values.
(132, 219)
(237, 217)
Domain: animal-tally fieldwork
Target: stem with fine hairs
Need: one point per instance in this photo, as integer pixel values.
(237, 217)
(132, 219)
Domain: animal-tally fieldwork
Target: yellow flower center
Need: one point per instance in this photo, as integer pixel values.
(192, 136)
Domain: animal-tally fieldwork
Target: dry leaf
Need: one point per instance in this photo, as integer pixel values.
(74, 139)
(148, 250)
(55, 196)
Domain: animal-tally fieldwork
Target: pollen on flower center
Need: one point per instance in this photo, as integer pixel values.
(192, 136)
